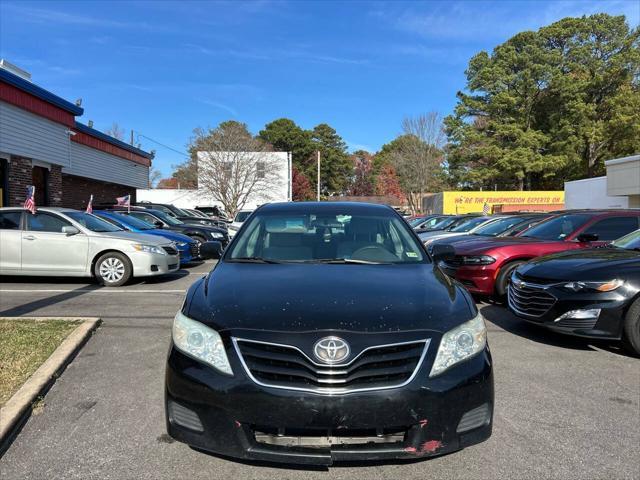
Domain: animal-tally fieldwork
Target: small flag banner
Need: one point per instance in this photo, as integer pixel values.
(30, 201)
(90, 205)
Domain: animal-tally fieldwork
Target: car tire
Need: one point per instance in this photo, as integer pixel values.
(502, 281)
(113, 269)
(631, 328)
(199, 238)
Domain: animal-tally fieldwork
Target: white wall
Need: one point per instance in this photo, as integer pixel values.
(591, 193)
(281, 191)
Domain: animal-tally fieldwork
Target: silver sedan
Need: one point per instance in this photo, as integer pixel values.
(66, 242)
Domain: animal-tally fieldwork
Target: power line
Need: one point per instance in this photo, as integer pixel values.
(139, 135)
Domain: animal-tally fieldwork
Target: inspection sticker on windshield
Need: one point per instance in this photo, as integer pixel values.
(412, 254)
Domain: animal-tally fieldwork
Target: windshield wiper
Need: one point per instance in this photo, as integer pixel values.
(346, 260)
(252, 260)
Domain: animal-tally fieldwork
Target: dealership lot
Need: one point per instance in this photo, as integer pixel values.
(564, 407)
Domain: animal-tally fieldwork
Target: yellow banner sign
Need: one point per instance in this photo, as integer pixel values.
(471, 202)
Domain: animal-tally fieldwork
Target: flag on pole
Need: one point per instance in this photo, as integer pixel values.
(486, 210)
(30, 202)
(124, 201)
(90, 205)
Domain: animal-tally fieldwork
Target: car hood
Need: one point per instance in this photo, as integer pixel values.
(587, 264)
(479, 245)
(169, 235)
(311, 297)
(439, 235)
(133, 237)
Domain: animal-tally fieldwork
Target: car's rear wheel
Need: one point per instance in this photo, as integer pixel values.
(631, 329)
(113, 269)
(504, 277)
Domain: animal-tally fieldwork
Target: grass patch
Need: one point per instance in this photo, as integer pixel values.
(24, 346)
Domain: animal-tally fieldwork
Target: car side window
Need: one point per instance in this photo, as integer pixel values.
(10, 220)
(46, 222)
(613, 227)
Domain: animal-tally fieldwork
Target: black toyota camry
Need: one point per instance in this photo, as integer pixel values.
(326, 333)
(593, 293)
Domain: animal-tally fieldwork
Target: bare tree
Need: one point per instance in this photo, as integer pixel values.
(154, 177)
(418, 156)
(115, 131)
(234, 166)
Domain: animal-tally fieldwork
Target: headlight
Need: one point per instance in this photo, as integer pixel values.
(477, 260)
(597, 286)
(200, 342)
(182, 244)
(459, 344)
(148, 248)
(216, 235)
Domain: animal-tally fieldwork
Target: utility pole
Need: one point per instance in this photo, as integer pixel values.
(318, 175)
(131, 141)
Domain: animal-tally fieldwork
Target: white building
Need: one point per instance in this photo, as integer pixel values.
(620, 188)
(279, 185)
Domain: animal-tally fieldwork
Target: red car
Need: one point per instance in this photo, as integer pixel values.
(484, 266)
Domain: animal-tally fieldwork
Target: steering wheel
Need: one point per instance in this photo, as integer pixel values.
(374, 253)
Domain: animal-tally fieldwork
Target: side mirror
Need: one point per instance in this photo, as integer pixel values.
(587, 237)
(442, 253)
(211, 250)
(158, 224)
(70, 230)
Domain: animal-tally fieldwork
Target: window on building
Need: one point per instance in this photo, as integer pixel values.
(261, 170)
(40, 178)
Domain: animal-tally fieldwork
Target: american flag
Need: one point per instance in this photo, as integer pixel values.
(124, 201)
(90, 205)
(30, 202)
(486, 210)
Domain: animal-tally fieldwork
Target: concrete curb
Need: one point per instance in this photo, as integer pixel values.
(18, 407)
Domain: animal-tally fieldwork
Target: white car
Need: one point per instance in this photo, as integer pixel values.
(66, 242)
(238, 220)
(465, 228)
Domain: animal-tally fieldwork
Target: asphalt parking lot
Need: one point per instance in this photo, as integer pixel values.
(565, 408)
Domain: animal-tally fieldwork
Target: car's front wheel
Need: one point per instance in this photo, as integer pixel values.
(631, 333)
(504, 277)
(113, 269)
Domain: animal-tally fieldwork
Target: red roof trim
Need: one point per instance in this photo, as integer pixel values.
(93, 142)
(31, 103)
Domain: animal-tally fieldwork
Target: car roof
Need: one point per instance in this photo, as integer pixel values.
(43, 209)
(329, 207)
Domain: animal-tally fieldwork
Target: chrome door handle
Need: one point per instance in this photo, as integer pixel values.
(29, 237)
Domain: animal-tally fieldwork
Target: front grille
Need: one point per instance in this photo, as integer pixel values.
(194, 249)
(375, 368)
(530, 300)
(301, 437)
(170, 250)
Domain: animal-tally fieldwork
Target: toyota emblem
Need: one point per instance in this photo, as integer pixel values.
(331, 350)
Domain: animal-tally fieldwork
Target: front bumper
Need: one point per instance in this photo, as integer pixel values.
(479, 280)
(608, 324)
(150, 264)
(237, 415)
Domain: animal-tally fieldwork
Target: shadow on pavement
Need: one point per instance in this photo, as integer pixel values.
(503, 318)
(48, 301)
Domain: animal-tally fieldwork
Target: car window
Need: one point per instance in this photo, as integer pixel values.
(242, 216)
(497, 227)
(630, 241)
(10, 220)
(46, 222)
(309, 237)
(557, 228)
(613, 227)
(469, 224)
(130, 221)
(92, 222)
(145, 217)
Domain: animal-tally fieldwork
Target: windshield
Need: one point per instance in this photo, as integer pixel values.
(134, 222)
(443, 223)
(499, 226)
(470, 224)
(416, 221)
(91, 222)
(324, 237)
(242, 216)
(167, 218)
(557, 228)
(182, 213)
(630, 241)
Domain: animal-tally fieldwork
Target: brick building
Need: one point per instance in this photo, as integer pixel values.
(42, 144)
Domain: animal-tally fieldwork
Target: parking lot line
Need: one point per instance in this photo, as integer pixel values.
(87, 290)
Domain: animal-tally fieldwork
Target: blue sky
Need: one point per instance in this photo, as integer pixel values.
(163, 68)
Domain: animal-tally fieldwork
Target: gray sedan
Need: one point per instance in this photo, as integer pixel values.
(66, 242)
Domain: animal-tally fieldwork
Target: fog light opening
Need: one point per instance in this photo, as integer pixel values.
(580, 314)
(154, 268)
(181, 415)
(475, 418)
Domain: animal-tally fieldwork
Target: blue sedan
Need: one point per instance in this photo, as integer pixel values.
(187, 247)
